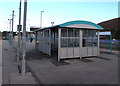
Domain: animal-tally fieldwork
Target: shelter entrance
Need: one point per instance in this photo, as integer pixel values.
(54, 43)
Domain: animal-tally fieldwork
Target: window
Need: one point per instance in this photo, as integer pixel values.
(70, 42)
(76, 33)
(63, 32)
(46, 37)
(69, 37)
(63, 42)
(70, 32)
(89, 38)
(85, 33)
(76, 42)
(84, 37)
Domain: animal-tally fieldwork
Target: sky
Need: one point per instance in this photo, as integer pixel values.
(57, 11)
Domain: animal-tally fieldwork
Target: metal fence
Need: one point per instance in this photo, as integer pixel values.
(110, 44)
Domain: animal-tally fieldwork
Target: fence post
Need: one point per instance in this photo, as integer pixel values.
(110, 42)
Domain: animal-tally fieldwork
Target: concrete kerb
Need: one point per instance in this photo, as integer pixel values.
(34, 75)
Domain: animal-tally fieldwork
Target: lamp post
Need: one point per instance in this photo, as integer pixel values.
(52, 23)
(23, 62)
(41, 19)
(10, 28)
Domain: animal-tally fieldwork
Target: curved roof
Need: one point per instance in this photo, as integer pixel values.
(77, 24)
(81, 24)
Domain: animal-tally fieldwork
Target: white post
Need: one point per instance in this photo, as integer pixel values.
(80, 43)
(59, 44)
(98, 44)
(49, 43)
(24, 38)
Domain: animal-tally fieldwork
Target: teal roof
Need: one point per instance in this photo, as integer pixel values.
(74, 22)
(80, 22)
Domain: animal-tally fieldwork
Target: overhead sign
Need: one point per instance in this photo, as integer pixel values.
(19, 29)
(105, 33)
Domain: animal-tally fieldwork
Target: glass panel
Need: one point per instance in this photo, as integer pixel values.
(90, 38)
(70, 32)
(95, 34)
(83, 42)
(37, 39)
(41, 37)
(70, 42)
(76, 42)
(63, 42)
(89, 42)
(76, 33)
(46, 33)
(84, 38)
(85, 33)
(46, 37)
(95, 42)
(63, 32)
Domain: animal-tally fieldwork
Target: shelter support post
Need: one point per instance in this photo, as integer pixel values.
(98, 44)
(59, 44)
(49, 43)
(80, 43)
(36, 39)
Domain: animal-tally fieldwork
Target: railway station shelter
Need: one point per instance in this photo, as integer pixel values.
(74, 39)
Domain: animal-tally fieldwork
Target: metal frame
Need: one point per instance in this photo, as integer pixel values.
(76, 51)
(87, 51)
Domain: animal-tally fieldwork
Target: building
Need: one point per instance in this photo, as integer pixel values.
(74, 39)
(113, 26)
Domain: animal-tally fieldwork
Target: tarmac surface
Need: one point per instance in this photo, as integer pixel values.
(10, 71)
(102, 70)
(99, 71)
(0, 62)
(44, 70)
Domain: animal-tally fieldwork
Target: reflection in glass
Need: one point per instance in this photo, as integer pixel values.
(70, 32)
(76, 42)
(63, 32)
(76, 33)
(63, 42)
(89, 38)
(70, 42)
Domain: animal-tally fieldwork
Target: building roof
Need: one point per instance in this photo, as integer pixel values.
(110, 24)
(77, 24)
